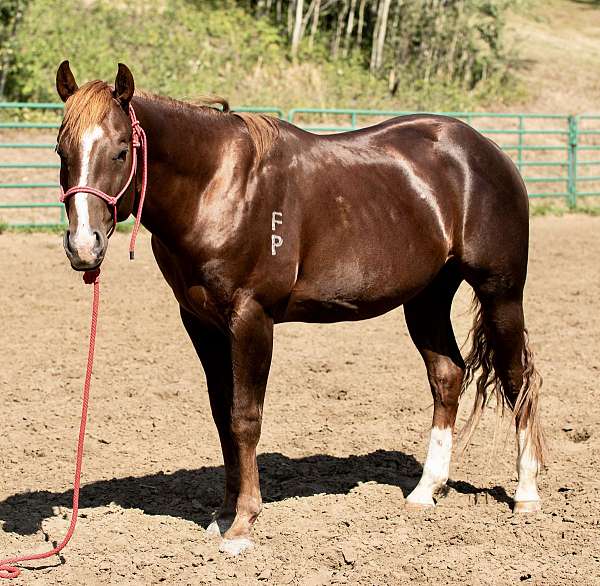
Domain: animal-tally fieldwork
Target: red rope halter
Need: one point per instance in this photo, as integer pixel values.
(7, 567)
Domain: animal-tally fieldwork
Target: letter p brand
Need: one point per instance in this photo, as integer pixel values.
(276, 242)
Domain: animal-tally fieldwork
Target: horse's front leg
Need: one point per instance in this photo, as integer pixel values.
(213, 347)
(236, 367)
(251, 335)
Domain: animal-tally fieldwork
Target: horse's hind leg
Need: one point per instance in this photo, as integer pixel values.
(428, 320)
(501, 352)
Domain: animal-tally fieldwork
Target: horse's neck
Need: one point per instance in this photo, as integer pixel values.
(185, 149)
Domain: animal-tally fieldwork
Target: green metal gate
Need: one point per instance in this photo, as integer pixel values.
(585, 165)
(39, 157)
(542, 145)
(558, 155)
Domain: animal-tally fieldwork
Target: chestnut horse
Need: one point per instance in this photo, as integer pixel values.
(256, 222)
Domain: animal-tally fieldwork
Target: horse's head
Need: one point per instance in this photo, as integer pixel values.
(95, 148)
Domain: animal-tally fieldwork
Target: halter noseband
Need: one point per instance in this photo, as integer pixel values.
(138, 142)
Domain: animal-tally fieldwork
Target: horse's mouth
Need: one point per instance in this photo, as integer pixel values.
(86, 267)
(89, 260)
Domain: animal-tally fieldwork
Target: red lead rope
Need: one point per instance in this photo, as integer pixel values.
(7, 569)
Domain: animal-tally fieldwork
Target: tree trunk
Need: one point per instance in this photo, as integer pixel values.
(373, 65)
(349, 27)
(338, 31)
(380, 45)
(290, 18)
(361, 21)
(296, 35)
(315, 23)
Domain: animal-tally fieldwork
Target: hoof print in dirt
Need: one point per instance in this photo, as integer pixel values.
(577, 435)
(478, 498)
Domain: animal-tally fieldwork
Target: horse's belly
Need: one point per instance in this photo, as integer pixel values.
(306, 309)
(348, 296)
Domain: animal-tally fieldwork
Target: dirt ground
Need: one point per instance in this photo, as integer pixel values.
(345, 432)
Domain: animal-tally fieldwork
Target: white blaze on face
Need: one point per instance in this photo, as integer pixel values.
(528, 468)
(84, 238)
(436, 469)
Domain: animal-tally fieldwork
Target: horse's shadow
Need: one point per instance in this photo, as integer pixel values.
(195, 494)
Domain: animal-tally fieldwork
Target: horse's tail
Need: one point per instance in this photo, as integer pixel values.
(524, 406)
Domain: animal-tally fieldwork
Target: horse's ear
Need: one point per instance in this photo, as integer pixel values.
(66, 85)
(124, 85)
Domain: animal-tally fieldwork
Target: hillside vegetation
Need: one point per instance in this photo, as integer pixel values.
(558, 43)
(532, 55)
(370, 53)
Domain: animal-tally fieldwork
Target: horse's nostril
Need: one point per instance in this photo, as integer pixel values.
(99, 241)
(67, 241)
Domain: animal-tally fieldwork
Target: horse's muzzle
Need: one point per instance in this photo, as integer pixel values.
(85, 253)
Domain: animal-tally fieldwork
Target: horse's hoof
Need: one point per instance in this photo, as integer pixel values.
(415, 506)
(236, 546)
(527, 507)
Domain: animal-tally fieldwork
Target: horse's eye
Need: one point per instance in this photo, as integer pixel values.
(121, 156)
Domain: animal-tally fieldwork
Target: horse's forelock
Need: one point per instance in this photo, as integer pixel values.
(87, 107)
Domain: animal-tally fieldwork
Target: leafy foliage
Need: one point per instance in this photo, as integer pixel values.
(446, 54)
(11, 14)
(173, 48)
(453, 41)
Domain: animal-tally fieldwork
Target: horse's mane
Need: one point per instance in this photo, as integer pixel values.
(263, 130)
(90, 104)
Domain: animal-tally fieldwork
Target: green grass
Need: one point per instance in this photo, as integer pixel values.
(549, 209)
(589, 210)
(5, 227)
(8, 229)
(125, 228)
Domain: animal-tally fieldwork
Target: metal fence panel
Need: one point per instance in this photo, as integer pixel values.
(538, 143)
(558, 155)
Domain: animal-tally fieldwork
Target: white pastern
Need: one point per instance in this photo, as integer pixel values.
(236, 546)
(213, 529)
(527, 468)
(436, 469)
(84, 238)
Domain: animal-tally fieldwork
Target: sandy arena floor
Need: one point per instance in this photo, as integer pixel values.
(346, 428)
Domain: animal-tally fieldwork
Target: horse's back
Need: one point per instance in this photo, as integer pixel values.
(383, 208)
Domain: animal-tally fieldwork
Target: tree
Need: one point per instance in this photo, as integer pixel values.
(11, 15)
(296, 34)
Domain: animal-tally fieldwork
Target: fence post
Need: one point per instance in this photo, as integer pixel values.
(520, 143)
(572, 162)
